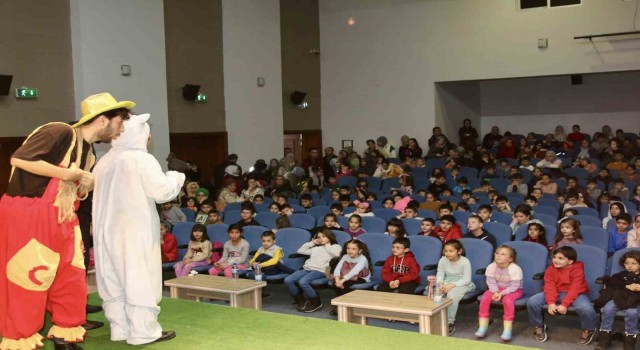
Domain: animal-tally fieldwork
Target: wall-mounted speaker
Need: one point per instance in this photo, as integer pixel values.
(5, 84)
(297, 97)
(190, 92)
(576, 79)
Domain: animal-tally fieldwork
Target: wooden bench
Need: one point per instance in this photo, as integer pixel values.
(243, 293)
(357, 306)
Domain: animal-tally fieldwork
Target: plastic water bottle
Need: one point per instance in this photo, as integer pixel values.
(432, 281)
(437, 294)
(234, 271)
(258, 272)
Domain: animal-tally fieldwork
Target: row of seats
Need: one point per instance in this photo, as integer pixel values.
(531, 257)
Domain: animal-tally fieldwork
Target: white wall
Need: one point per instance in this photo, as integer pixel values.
(251, 49)
(378, 76)
(539, 104)
(107, 34)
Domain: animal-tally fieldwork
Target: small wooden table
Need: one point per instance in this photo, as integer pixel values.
(357, 306)
(243, 293)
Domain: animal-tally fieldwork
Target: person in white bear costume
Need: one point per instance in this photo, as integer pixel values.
(129, 183)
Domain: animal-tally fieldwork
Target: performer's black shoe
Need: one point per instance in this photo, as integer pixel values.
(91, 325)
(92, 309)
(66, 346)
(167, 335)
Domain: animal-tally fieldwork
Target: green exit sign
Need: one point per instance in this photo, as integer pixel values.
(26, 93)
(202, 98)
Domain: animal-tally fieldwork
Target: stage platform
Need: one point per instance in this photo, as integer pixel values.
(209, 326)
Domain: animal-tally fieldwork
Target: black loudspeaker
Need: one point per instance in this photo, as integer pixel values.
(576, 79)
(190, 92)
(297, 97)
(5, 84)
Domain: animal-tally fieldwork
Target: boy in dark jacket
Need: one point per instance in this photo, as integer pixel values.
(622, 293)
(564, 283)
(400, 270)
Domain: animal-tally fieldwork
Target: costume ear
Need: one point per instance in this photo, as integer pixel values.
(141, 118)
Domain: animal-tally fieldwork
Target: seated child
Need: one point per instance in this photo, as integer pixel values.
(171, 214)
(622, 293)
(269, 256)
(401, 270)
(454, 276)
(531, 201)
(502, 204)
(522, 216)
(362, 209)
(306, 201)
(395, 228)
(618, 235)
(537, 234)
(463, 184)
(485, 211)
(517, 186)
(330, 222)
(205, 208)
(246, 217)
(475, 230)
(572, 201)
(564, 286)
(198, 253)
(569, 212)
(234, 251)
(213, 218)
(274, 208)
(568, 232)
(336, 209)
(504, 279)
(426, 227)
(410, 212)
(281, 222)
(320, 250)
(258, 199)
(355, 226)
(353, 268)
(169, 245)
(447, 230)
(484, 187)
(633, 237)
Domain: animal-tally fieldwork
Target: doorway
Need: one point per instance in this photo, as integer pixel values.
(300, 141)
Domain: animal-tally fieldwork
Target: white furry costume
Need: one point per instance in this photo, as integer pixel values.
(129, 183)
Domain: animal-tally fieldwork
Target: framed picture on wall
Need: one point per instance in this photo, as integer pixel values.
(347, 145)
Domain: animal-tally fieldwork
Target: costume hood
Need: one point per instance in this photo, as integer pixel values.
(136, 133)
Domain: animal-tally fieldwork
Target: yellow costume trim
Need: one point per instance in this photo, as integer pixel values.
(70, 335)
(29, 343)
(34, 266)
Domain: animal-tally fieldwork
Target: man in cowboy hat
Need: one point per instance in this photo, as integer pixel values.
(41, 258)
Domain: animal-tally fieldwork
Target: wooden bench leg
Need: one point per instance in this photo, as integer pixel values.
(344, 314)
(444, 324)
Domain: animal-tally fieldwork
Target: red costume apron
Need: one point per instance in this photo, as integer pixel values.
(41, 267)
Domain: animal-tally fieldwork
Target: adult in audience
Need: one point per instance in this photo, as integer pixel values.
(371, 146)
(411, 151)
(253, 189)
(598, 142)
(559, 135)
(219, 172)
(129, 183)
(274, 170)
(507, 149)
(575, 136)
(550, 161)
(386, 149)
(439, 149)
(437, 133)
(546, 185)
(585, 150)
(229, 194)
(468, 135)
(314, 159)
(386, 170)
(327, 167)
(492, 139)
(41, 255)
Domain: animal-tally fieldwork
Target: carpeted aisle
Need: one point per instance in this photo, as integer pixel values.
(207, 326)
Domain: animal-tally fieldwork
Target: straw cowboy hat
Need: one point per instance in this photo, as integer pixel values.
(96, 105)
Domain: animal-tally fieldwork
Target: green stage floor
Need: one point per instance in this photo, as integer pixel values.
(208, 326)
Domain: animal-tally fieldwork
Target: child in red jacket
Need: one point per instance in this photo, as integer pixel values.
(400, 270)
(564, 286)
(169, 245)
(447, 230)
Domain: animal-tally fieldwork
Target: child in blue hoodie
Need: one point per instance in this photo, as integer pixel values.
(618, 234)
